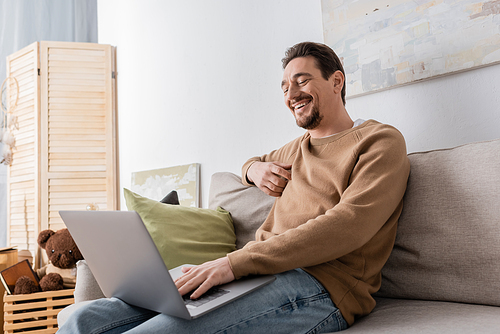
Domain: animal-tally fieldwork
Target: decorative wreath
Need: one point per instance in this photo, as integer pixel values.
(9, 124)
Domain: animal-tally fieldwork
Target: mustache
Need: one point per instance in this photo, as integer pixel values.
(301, 97)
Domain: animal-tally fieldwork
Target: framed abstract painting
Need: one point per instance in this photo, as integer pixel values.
(395, 42)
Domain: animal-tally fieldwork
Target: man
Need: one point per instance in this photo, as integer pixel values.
(339, 191)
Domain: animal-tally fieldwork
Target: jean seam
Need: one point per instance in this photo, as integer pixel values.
(284, 307)
(334, 316)
(122, 322)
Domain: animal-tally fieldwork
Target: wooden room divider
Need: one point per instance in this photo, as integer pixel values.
(64, 156)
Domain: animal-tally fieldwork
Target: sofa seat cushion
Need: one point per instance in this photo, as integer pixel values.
(448, 240)
(395, 316)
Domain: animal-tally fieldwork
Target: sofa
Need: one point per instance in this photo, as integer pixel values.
(443, 275)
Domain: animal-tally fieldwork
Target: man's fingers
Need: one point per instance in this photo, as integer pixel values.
(275, 187)
(285, 171)
(186, 280)
(204, 287)
(276, 182)
(205, 276)
(282, 174)
(188, 283)
(186, 269)
(260, 173)
(283, 165)
(271, 193)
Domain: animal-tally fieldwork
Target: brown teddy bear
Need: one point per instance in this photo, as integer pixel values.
(60, 273)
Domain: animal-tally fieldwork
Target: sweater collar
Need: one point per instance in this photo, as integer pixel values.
(359, 124)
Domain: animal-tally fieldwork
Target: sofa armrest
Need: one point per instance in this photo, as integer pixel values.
(86, 290)
(86, 286)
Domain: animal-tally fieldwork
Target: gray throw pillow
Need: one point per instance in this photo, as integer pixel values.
(249, 206)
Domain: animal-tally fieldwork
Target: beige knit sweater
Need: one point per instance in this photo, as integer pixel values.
(337, 217)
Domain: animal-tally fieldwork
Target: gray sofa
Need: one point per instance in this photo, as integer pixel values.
(443, 275)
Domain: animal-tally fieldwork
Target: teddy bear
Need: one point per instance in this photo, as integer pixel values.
(60, 273)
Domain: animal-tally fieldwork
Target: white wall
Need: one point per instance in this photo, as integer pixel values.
(199, 81)
(439, 113)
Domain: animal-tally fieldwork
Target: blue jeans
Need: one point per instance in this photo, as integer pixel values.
(294, 303)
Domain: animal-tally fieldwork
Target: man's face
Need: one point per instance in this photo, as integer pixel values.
(305, 91)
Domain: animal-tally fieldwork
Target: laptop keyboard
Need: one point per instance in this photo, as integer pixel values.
(208, 296)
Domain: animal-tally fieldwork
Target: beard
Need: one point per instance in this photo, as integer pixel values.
(310, 121)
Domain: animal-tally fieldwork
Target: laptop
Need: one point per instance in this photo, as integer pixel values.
(127, 265)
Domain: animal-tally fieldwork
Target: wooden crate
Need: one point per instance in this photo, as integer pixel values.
(7, 258)
(36, 312)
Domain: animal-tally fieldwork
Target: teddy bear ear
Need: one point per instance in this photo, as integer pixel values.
(44, 236)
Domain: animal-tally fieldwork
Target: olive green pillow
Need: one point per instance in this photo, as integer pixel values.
(185, 235)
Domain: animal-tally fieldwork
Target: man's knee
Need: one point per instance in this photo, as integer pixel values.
(67, 312)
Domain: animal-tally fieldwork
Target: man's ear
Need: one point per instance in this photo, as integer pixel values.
(337, 79)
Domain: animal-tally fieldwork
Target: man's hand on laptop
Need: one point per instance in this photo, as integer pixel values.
(204, 277)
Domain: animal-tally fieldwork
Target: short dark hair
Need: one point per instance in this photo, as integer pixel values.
(326, 59)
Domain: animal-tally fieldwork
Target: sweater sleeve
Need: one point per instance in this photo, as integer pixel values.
(374, 194)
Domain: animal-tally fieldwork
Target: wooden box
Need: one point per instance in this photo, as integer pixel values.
(8, 257)
(36, 312)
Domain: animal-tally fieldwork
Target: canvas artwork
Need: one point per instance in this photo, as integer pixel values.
(393, 42)
(157, 183)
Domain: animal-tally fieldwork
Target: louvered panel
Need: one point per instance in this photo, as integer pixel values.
(82, 200)
(24, 140)
(87, 196)
(23, 174)
(74, 194)
(76, 155)
(77, 162)
(78, 119)
(86, 187)
(76, 131)
(65, 156)
(65, 122)
(26, 135)
(27, 150)
(23, 111)
(25, 78)
(27, 130)
(69, 113)
(26, 89)
(79, 158)
(78, 137)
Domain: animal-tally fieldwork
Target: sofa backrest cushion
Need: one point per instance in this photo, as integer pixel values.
(448, 240)
(248, 206)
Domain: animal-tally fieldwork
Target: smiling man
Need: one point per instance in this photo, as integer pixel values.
(307, 91)
(339, 190)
